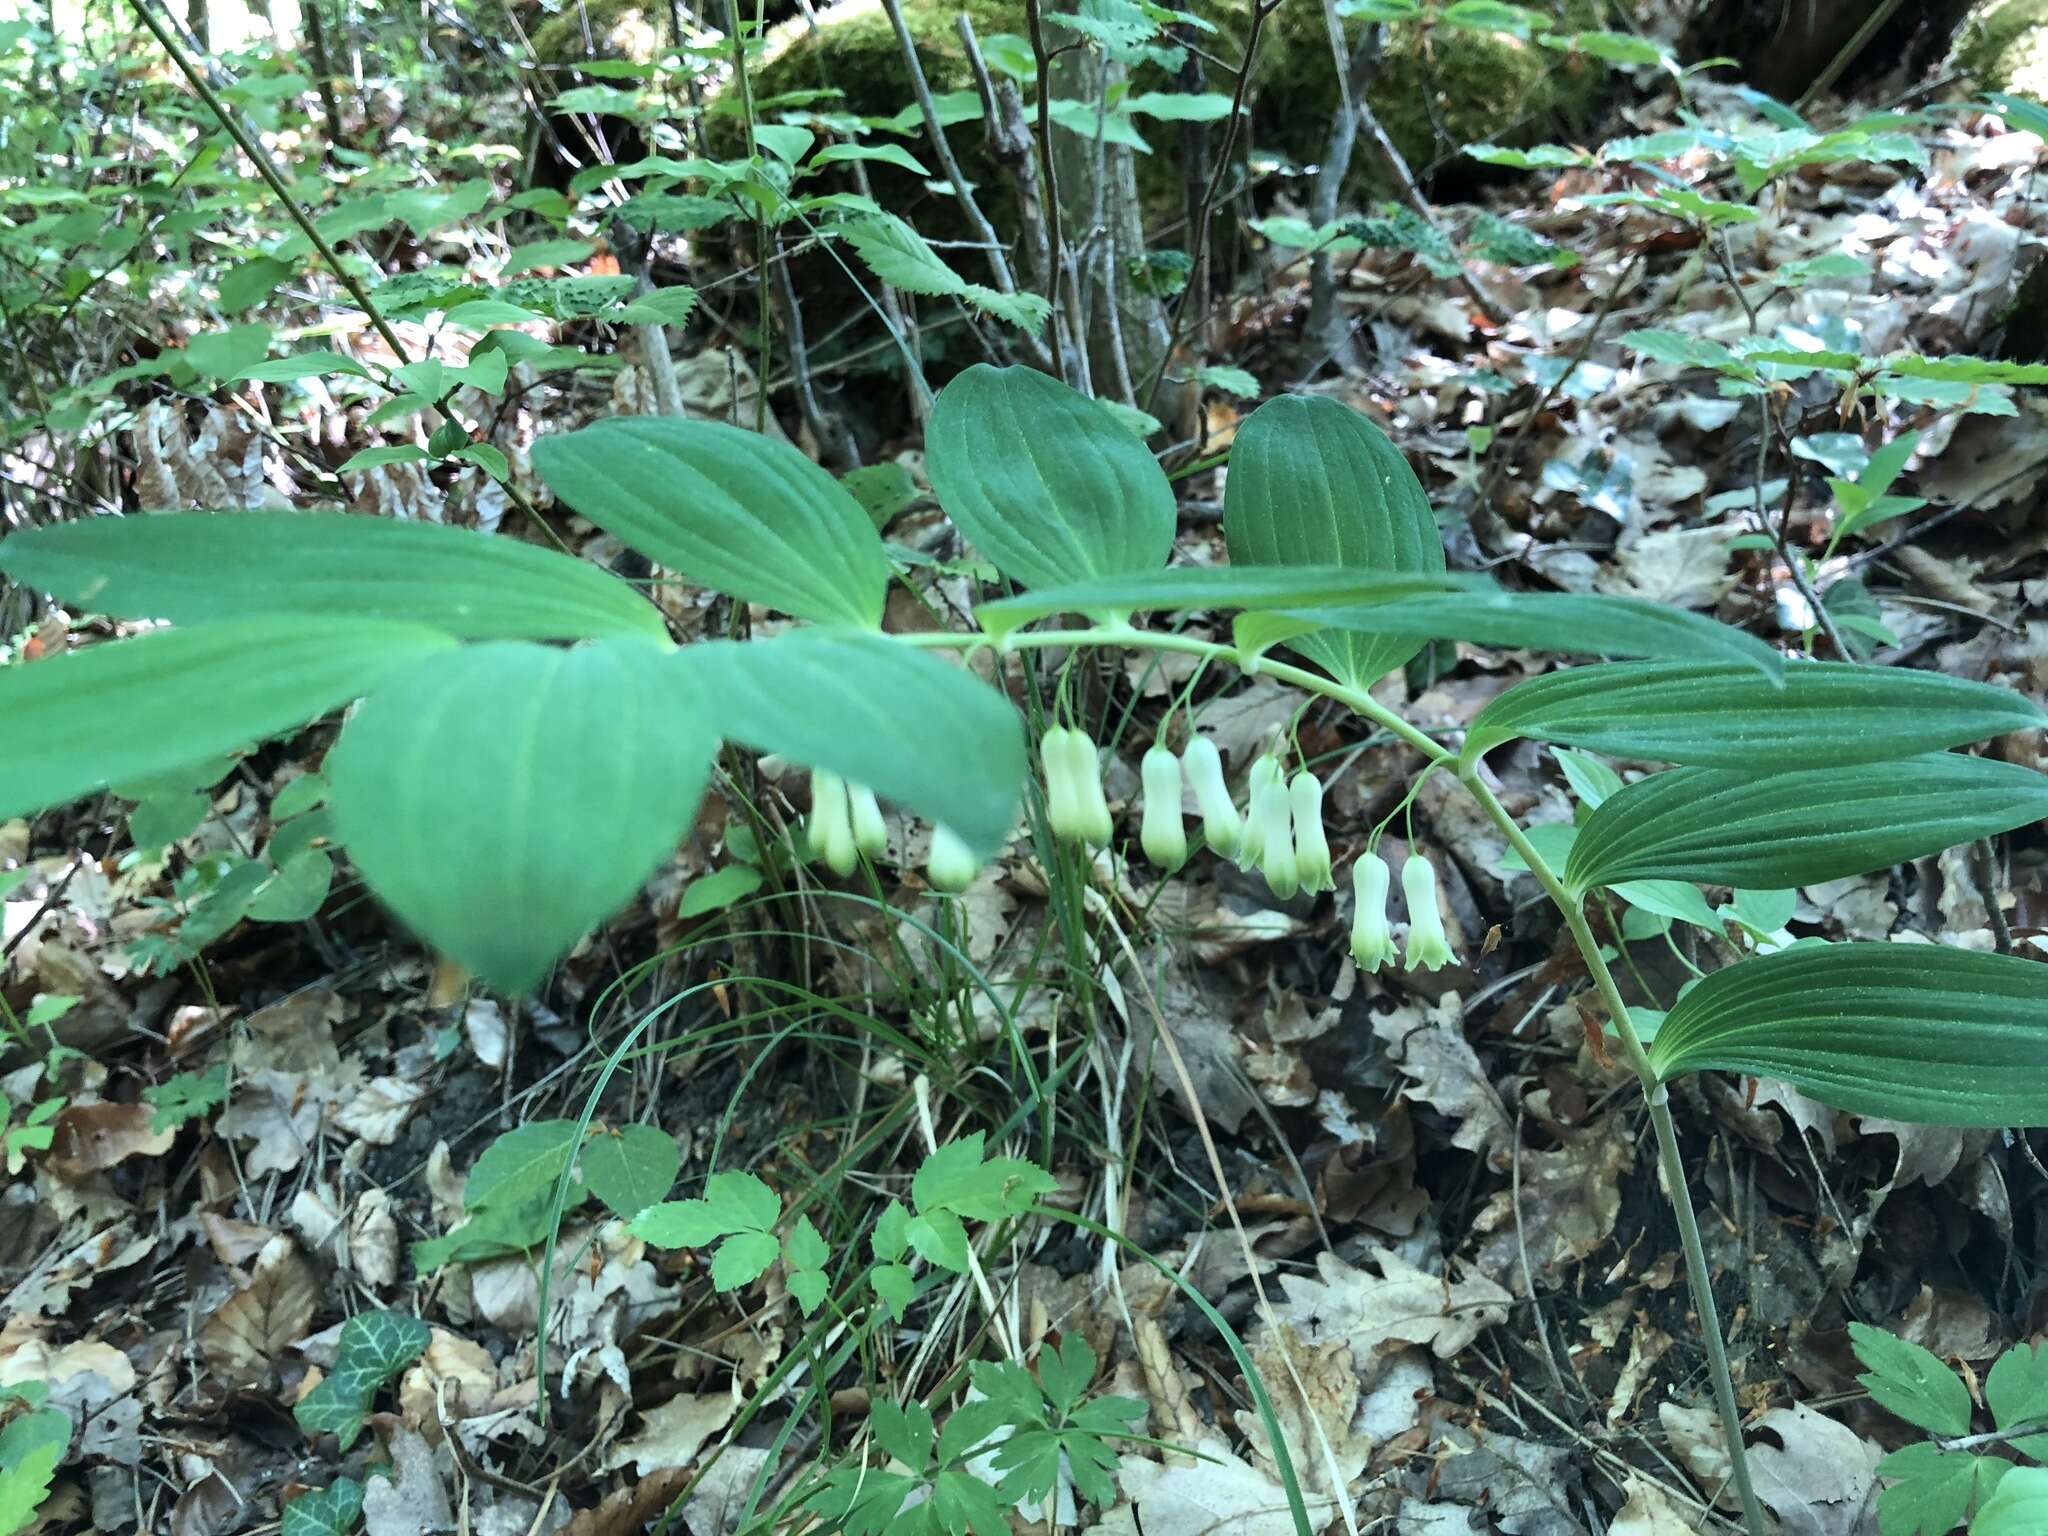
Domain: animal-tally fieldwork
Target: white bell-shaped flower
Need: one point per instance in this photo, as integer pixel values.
(1222, 827)
(830, 830)
(1162, 833)
(1251, 853)
(870, 832)
(1428, 948)
(1372, 941)
(950, 866)
(1062, 804)
(1271, 815)
(1093, 810)
(1311, 847)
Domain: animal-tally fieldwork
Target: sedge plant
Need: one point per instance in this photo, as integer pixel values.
(527, 744)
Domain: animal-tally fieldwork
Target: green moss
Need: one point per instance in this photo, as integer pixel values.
(2003, 46)
(616, 29)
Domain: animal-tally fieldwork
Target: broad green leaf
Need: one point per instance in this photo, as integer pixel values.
(718, 890)
(725, 508)
(303, 365)
(296, 891)
(329, 1511)
(1721, 716)
(507, 798)
(1313, 482)
(887, 154)
(196, 567)
(1251, 587)
(1915, 1032)
(1044, 481)
(2017, 1392)
(1583, 623)
(1933, 1491)
(1911, 1381)
(153, 704)
(2019, 1506)
(631, 1168)
(912, 727)
(1720, 826)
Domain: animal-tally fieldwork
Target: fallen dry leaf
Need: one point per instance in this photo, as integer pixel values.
(1428, 1045)
(1220, 1493)
(242, 1341)
(91, 1138)
(672, 1435)
(1569, 1201)
(1400, 1305)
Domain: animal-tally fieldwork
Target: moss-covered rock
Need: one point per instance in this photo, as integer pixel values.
(602, 29)
(2003, 46)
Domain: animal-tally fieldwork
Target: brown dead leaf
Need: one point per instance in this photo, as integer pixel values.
(1428, 1045)
(244, 1338)
(673, 1434)
(91, 1138)
(1649, 1512)
(1569, 1202)
(1820, 1479)
(1314, 1388)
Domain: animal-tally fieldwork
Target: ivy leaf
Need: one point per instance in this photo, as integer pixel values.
(629, 1169)
(374, 1347)
(329, 1511)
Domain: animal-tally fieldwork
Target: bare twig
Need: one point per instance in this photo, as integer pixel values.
(1355, 71)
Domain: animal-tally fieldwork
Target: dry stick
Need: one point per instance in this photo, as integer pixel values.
(1009, 138)
(304, 220)
(1404, 180)
(935, 134)
(1185, 315)
(1326, 332)
(1072, 362)
(835, 443)
(1841, 61)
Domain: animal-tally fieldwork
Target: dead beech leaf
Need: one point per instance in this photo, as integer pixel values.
(1400, 1305)
(91, 1138)
(380, 1109)
(672, 1435)
(1221, 1493)
(1649, 1512)
(243, 1340)
(1821, 1479)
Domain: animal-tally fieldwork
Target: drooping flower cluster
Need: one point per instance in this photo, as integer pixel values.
(1372, 941)
(846, 826)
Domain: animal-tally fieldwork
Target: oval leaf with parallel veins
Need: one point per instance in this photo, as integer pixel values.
(727, 509)
(1045, 482)
(1722, 826)
(1312, 482)
(914, 728)
(1914, 1032)
(506, 798)
(1716, 715)
(134, 709)
(197, 567)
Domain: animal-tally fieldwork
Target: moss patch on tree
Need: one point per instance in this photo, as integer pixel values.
(2003, 46)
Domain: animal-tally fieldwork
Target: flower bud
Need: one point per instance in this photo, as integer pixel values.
(1311, 848)
(1372, 943)
(870, 832)
(951, 866)
(1428, 948)
(1092, 810)
(1062, 808)
(1270, 815)
(1221, 825)
(830, 831)
(1265, 770)
(1162, 834)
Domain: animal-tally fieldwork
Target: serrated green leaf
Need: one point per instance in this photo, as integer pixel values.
(186, 1097)
(2019, 1506)
(956, 1178)
(2016, 1391)
(1026, 311)
(1915, 1032)
(1911, 1382)
(900, 256)
(727, 508)
(197, 567)
(938, 1237)
(914, 728)
(471, 794)
(545, 253)
(523, 1165)
(1312, 482)
(157, 702)
(1721, 716)
(1044, 482)
(1724, 827)
(742, 1259)
(894, 1287)
(631, 1168)
(732, 1202)
(1932, 1492)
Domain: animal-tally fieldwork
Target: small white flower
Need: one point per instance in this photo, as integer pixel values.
(1162, 833)
(1311, 847)
(1372, 942)
(950, 866)
(1062, 805)
(1252, 852)
(870, 832)
(1092, 809)
(1271, 815)
(1428, 948)
(830, 831)
(1222, 827)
